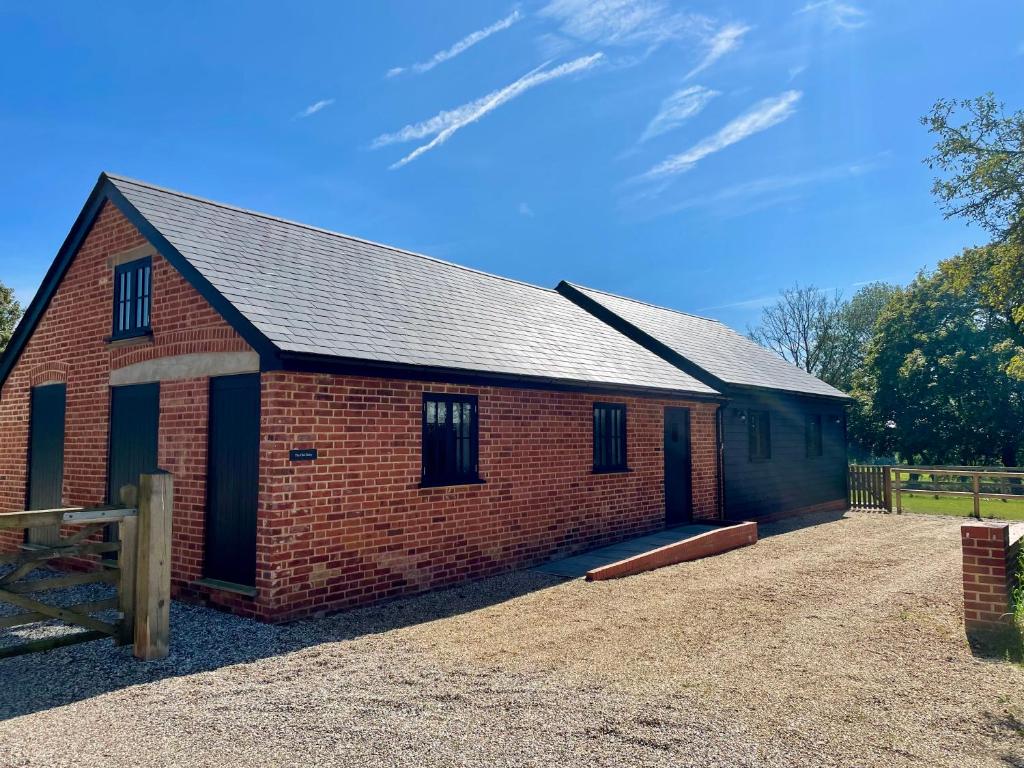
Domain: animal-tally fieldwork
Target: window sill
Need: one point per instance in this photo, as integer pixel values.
(137, 339)
(616, 471)
(450, 483)
(227, 586)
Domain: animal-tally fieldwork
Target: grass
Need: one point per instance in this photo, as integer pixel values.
(923, 503)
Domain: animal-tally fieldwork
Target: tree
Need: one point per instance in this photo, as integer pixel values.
(857, 320)
(822, 333)
(993, 275)
(802, 327)
(983, 159)
(10, 313)
(934, 388)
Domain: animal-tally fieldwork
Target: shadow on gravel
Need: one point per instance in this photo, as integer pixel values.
(790, 524)
(203, 640)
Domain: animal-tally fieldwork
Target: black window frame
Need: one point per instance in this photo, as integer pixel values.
(132, 316)
(441, 446)
(814, 441)
(610, 438)
(759, 425)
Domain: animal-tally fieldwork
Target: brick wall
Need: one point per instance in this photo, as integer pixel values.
(989, 565)
(68, 346)
(354, 526)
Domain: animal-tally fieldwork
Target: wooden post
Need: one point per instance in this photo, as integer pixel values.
(153, 566)
(128, 530)
(896, 488)
(887, 490)
(976, 483)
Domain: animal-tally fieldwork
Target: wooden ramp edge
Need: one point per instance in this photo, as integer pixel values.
(701, 545)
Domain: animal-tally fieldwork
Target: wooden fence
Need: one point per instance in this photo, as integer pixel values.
(882, 488)
(141, 571)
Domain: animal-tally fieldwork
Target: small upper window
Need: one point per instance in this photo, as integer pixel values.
(132, 288)
(609, 437)
(759, 433)
(450, 440)
(812, 436)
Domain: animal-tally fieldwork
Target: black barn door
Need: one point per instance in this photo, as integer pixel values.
(46, 446)
(46, 456)
(678, 497)
(232, 481)
(134, 419)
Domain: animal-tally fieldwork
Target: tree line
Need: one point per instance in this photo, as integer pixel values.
(936, 367)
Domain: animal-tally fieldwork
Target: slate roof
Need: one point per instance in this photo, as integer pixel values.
(309, 290)
(713, 346)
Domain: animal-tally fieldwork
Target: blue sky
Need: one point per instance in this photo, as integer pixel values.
(700, 156)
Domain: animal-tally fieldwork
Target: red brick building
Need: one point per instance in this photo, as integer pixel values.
(346, 422)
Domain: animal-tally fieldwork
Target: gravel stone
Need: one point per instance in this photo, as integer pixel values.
(835, 644)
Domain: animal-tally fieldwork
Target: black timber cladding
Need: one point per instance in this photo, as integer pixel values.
(789, 479)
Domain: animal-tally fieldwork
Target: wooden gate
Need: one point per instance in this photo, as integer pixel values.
(141, 571)
(870, 487)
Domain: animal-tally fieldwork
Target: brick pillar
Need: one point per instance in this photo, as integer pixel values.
(988, 575)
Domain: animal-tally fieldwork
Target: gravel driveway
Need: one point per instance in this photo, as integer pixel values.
(838, 644)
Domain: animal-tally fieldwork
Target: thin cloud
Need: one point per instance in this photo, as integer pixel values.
(763, 115)
(724, 41)
(526, 210)
(445, 124)
(312, 109)
(755, 303)
(461, 46)
(771, 190)
(837, 14)
(440, 121)
(622, 22)
(677, 109)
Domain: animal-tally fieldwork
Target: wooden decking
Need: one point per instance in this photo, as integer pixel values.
(656, 550)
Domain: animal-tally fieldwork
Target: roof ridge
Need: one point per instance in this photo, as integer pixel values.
(645, 303)
(322, 230)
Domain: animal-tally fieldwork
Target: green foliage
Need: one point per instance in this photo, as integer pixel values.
(983, 160)
(10, 313)
(993, 275)
(1017, 595)
(934, 387)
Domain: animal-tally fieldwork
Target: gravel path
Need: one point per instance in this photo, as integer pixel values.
(838, 644)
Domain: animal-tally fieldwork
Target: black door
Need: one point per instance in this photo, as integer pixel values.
(46, 446)
(46, 456)
(232, 481)
(678, 498)
(134, 419)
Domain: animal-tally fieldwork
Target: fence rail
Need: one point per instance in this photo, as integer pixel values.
(141, 572)
(881, 488)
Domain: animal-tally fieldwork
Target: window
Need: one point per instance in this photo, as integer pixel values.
(759, 433)
(450, 438)
(812, 435)
(609, 437)
(131, 298)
